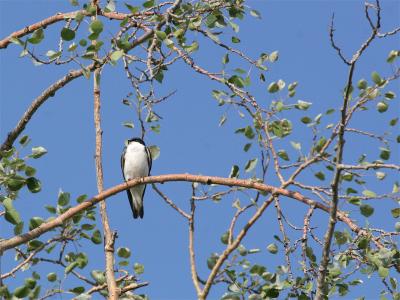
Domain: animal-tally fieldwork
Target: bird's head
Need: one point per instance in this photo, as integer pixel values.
(137, 140)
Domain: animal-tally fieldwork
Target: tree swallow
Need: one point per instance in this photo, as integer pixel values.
(135, 163)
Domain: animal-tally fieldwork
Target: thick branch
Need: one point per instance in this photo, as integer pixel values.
(47, 226)
(109, 236)
(61, 17)
(320, 294)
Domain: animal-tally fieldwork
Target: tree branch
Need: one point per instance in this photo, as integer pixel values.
(47, 226)
(109, 236)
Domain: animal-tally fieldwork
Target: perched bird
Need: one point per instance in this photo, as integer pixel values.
(135, 163)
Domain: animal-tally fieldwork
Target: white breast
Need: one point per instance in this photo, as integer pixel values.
(136, 164)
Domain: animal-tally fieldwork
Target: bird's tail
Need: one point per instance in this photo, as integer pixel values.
(136, 202)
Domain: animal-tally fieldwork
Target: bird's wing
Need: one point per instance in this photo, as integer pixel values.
(149, 162)
(123, 175)
(123, 162)
(149, 158)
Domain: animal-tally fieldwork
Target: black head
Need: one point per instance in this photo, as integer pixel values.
(137, 140)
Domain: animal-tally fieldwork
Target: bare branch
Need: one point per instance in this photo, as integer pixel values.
(170, 202)
(333, 44)
(193, 268)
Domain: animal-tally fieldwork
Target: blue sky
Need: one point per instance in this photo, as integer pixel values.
(190, 139)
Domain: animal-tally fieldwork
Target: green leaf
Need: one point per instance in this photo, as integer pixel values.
(63, 198)
(83, 42)
(33, 185)
(124, 252)
(380, 175)
(16, 41)
(138, 268)
(246, 147)
(212, 260)
(235, 40)
(280, 128)
(78, 290)
(70, 267)
(273, 57)
(161, 35)
(225, 238)
(395, 212)
(133, 9)
(376, 78)
(383, 272)
(395, 188)
(363, 243)
(21, 292)
(37, 36)
(35, 245)
(124, 263)
(296, 146)
(15, 183)
(38, 152)
(355, 201)
(155, 152)
(385, 153)
(303, 105)
(340, 238)
(369, 194)
(347, 176)
(67, 34)
(248, 132)
(393, 282)
(397, 226)
(320, 176)
(24, 140)
(237, 81)
(148, 4)
(393, 122)
(96, 237)
(283, 154)
(12, 216)
(128, 124)
(96, 27)
(272, 248)
(193, 47)
(362, 84)
(52, 277)
(35, 222)
(306, 120)
(18, 228)
(50, 209)
(116, 55)
(251, 164)
(30, 282)
(257, 270)
(255, 13)
(273, 87)
(98, 276)
(225, 59)
(81, 198)
(234, 172)
(390, 95)
(79, 17)
(366, 210)
(52, 54)
(392, 56)
(382, 106)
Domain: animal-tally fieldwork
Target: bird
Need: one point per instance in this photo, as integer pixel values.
(136, 162)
